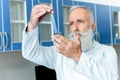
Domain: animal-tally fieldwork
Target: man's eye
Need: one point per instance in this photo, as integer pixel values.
(70, 24)
(80, 21)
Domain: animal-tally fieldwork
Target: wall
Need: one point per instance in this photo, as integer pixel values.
(105, 2)
(14, 67)
(117, 47)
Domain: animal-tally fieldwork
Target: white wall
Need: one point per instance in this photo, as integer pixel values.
(117, 47)
(106, 2)
(14, 67)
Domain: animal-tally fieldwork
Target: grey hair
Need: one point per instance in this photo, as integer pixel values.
(86, 8)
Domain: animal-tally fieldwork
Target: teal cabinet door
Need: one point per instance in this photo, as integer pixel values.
(18, 21)
(5, 37)
(7, 31)
(103, 23)
(12, 22)
(1, 26)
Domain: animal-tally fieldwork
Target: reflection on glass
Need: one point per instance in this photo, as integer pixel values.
(45, 28)
(66, 10)
(45, 32)
(47, 18)
(66, 30)
(17, 16)
(116, 31)
(117, 24)
(17, 32)
(17, 10)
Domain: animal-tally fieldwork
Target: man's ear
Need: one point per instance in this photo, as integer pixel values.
(94, 26)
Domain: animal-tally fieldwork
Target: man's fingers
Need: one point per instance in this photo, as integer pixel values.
(43, 6)
(61, 40)
(41, 10)
(60, 48)
(40, 14)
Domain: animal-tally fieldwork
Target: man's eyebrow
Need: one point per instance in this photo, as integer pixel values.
(81, 20)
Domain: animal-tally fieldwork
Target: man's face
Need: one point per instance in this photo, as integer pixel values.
(79, 20)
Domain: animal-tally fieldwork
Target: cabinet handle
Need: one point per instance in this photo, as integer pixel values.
(1, 40)
(6, 35)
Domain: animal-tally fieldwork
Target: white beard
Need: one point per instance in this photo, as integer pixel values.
(86, 39)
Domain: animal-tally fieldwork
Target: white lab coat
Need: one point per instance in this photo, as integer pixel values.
(98, 63)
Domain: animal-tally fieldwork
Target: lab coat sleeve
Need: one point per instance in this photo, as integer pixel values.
(32, 50)
(104, 69)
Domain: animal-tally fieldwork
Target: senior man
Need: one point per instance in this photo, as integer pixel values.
(78, 58)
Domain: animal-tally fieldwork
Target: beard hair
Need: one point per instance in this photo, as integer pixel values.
(86, 39)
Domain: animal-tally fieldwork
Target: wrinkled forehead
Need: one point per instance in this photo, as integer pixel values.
(80, 10)
(80, 7)
(79, 13)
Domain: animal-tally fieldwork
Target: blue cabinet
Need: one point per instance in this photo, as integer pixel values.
(5, 26)
(0, 27)
(102, 15)
(17, 22)
(12, 25)
(116, 24)
(7, 31)
(12, 22)
(103, 23)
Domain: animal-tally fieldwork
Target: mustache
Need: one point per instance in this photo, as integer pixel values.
(78, 33)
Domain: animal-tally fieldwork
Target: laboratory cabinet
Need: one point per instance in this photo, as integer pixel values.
(15, 14)
(116, 24)
(103, 23)
(12, 23)
(5, 40)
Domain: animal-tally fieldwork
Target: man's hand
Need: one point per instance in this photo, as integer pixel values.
(37, 14)
(69, 48)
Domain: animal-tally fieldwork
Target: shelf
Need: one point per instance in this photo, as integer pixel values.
(45, 22)
(17, 21)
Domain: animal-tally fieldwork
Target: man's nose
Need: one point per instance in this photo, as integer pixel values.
(76, 27)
